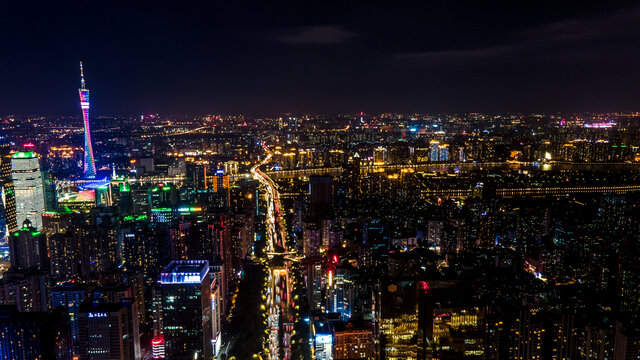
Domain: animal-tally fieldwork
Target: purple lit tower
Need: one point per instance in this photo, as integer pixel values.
(89, 162)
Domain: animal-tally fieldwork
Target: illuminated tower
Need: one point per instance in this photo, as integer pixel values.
(89, 162)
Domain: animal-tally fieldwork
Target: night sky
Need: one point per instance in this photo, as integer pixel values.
(319, 56)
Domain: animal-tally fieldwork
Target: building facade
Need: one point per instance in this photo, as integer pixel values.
(29, 191)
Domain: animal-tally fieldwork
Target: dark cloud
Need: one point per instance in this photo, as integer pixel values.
(581, 38)
(318, 34)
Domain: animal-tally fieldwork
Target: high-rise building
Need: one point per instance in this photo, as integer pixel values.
(379, 156)
(196, 173)
(89, 162)
(35, 335)
(216, 311)
(341, 292)
(321, 195)
(322, 341)
(434, 147)
(627, 342)
(443, 152)
(69, 296)
(29, 193)
(162, 195)
(108, 331)
(186, 309)
(26, 289)
(28, 249)
(376, 236)
(435, 234)
(352, 342)
(401, 310)
(527, 334)
(222, 186)
(231, 167)
(7, 194)
(312, 236)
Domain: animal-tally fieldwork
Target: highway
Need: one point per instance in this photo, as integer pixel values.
(278, 303)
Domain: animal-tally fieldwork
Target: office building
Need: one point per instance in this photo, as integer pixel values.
(216, 311)
(321, 197)
(27, 182)
(434, 147)
(108, 331)
(69, 296)
(312, 236)
(222, 187)
(443, 152)
(352, 342)
(379, 156)
(322, 341)
(400, 310)
(26, 289)
(28, 249)
(186, 309)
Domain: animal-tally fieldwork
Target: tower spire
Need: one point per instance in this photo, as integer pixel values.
(89, 162)
(81, 76)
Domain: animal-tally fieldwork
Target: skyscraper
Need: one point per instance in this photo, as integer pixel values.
(443, 152)
(89, 162)
(69, 296)
(186, 309)
(222, 186)
(108, 331)
(321, 194)
(434, 147)
(8, 195)
(379, 156)
(28, 249)
(29, 193)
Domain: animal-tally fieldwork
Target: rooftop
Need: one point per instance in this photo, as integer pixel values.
(24, 155)
(185, 272)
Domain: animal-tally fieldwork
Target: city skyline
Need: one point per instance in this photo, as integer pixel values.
(336, 180)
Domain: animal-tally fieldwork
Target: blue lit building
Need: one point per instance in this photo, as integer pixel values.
(322, 341)
(341, 297)
(434, 147)
(186, 309)
(443, 152)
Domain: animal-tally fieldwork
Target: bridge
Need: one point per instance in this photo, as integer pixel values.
(534, 191)
(365, 169)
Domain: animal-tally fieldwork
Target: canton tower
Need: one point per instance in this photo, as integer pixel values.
(89, 162)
